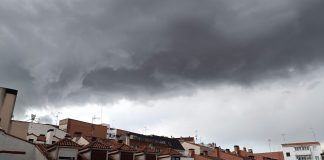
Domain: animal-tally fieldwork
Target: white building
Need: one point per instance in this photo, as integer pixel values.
(198, 148)
(13, 148)
(50, 133)
(302, 151)
(112, 133)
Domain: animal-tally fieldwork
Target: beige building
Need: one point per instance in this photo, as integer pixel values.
(7, 104)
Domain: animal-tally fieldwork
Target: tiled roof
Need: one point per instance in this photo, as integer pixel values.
(122, 147)
(169, 142)
(272, 155)
(186, 139)
(43, 149)
(202, 157)
(300, 143)
(170, 151)
(64, 142)
(96, 145)
(146, 149)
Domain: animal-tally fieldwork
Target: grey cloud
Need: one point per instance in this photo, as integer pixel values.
(65, 52)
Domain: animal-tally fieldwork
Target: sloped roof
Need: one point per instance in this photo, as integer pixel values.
(96, 145)
(123, 147)
(300, 143)
(64, 143)
(170, 151)
(146, 149)
(169, 142)
(273, 155)
(43, 149)
(203, 157)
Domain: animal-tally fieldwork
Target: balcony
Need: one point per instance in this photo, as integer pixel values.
(304, 152)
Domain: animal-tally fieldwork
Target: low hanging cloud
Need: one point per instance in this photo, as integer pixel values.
(59, 53)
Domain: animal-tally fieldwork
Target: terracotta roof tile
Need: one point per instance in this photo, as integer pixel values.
(96, 145)
(43, 149)
(170, 151)
(66, 142)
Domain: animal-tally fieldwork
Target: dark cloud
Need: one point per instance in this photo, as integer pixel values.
(65, 52)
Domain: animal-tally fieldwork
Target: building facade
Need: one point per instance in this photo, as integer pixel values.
(73, 127)
(302, 151)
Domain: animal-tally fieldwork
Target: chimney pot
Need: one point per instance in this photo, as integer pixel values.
(217, 151)
(237, 150)
(250, 150)
(227, 150)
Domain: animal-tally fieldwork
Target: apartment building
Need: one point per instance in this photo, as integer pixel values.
(302, 151)
(73, 126)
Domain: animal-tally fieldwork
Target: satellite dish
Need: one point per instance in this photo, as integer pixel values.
(32, 117)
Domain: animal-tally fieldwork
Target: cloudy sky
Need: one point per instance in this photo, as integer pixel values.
(230, 71)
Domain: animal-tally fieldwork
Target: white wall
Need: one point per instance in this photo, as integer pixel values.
(314, 150)
(186, 158)
(81, 141)
(165, 158)
(67, 152)
(37, 129)
(188, 146)
(9, 143)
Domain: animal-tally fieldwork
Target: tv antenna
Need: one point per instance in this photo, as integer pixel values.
(32, 117)
(314, 134)
(283, 135)
(269, 141)
(57, 117)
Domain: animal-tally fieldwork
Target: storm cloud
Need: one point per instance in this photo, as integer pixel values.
(60, 53)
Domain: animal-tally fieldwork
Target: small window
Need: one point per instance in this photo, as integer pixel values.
(31, 140)
(288, 154)
(53, 142)
(316, 157)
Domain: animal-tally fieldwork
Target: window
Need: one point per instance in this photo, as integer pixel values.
(304, 157)
(288, 154)
(30, 140)
(53, 142)
(316, 157)
(175, 158)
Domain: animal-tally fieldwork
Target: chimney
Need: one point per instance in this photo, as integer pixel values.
(49, 136)
(250, 150)
(7, 105)
(205, 153)
(237, 150)
(217, 152)
(244, 149)
(192, 153)
(127, 141)
(227, 151)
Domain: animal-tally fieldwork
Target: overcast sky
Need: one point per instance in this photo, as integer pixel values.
(230, 71)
